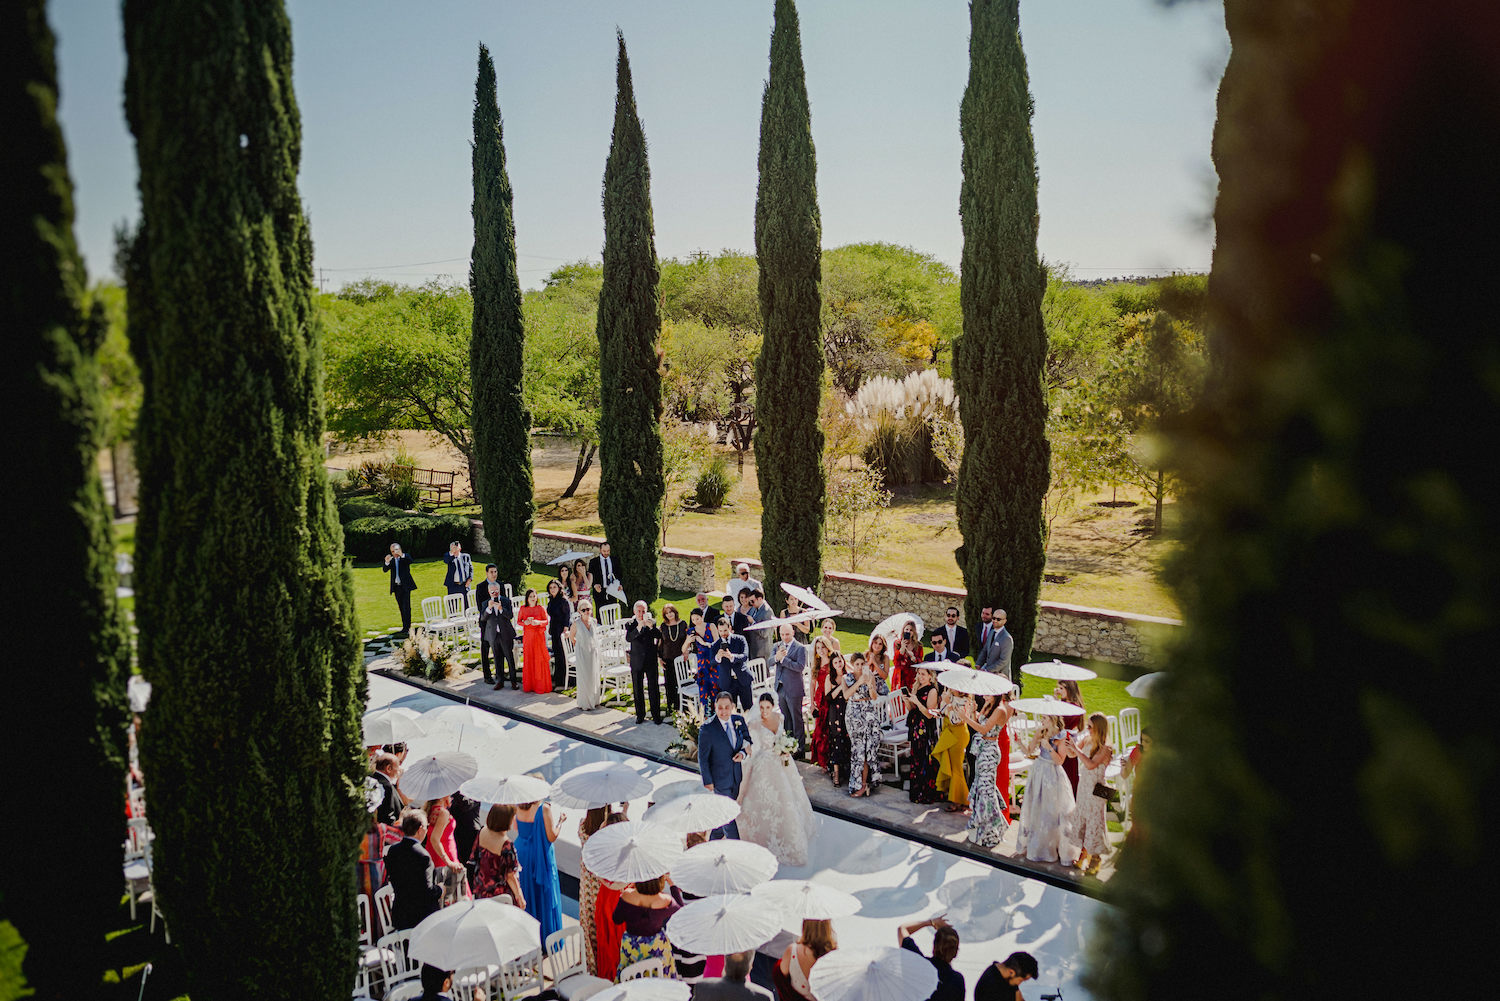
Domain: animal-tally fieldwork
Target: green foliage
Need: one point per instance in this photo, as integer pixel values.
(686, 448)
(631, 484)
(400, 361)
(247, 632)
(502, 427)
(714, 484)
(1339, 538)
(789, 369)
(367, 507)
(369, 537)
(857, 500)
(119, 376)
(561, 382)
(65, 724)
(888, 311)
(998, 362)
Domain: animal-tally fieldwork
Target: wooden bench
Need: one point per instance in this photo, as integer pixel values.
(435, 485)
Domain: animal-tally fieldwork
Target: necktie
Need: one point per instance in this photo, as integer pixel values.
(608, 575)
(729, 732)
(398, 571)
(985, 639)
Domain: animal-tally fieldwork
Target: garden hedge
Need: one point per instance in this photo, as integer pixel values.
(421, 535)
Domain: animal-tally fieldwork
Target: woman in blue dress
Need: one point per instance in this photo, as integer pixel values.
(535, 832)
(698, 649)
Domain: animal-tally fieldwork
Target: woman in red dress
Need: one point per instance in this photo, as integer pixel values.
(822, 654)
(908, 655)
(536, 667)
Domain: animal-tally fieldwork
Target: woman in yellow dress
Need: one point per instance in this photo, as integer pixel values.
(952, 744)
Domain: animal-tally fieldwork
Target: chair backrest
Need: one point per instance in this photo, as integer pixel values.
(385, 899)
(564, 953)
(757, 668)
(433, 609)
(1114, 732)
(395, 962)
(680, 668)
(653, 967)
(520, 977)
(410, 990)
(1130, 728)
(453, 606)
(137, 839)
(366, 929)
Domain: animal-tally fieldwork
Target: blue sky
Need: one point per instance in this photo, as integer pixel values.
(1124, 93)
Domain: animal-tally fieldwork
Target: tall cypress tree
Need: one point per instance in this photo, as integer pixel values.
(789, 370)
(631, 481)
(1340, 532)
(252, 745)
(65, 718)
(502, 425)
(997, 360)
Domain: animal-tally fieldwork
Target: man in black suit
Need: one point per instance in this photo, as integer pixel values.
(398, 565)
(408, 868)
(710, 612)
(497, 630)
(460, 572)
(386, 771)
(958, 636)
(641, 638)
(940, 650)
(735, 984)
(605, 569)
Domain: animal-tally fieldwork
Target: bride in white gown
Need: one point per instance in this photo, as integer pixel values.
(774, 809)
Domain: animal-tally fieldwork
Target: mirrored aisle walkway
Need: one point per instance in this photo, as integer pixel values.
(897, 881)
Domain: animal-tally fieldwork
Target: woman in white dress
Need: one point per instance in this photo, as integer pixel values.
(584, 636)
(774, 809)
(1047, 810)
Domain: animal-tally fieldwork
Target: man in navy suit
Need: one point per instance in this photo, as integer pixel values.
(398, 565)
(460, 572)
(723, 742)
(497, 629)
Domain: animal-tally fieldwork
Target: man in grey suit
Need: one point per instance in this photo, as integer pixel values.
(735, 984)
(790, 661)
(995, 643)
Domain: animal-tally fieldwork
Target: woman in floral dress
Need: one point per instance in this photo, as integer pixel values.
(863, 720)
(497, 868)
(700, 641)
(1089, 827)
(644, 910)
(987, 823)
(922, 722)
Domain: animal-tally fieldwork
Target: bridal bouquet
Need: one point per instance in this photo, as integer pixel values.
(785, 745)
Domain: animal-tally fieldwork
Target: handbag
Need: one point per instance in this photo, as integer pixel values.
(1105, 793)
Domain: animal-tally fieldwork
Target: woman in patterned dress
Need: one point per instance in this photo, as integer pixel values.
(700, 641)
(863, 720)
(987, 820)
(589, 887)
(922, 722)
(836, 696)
(497, 868)
(1047, 810)
(879, 658)
(821, 653)
(1090, 828)
(644, 910)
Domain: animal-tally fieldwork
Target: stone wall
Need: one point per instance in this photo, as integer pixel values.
(680, 569)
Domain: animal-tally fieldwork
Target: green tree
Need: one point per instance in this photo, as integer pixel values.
(1340, 535)
(561, 383)
(631, 487)
(788, 231)
(398, 359)
(998, 361)
(66, 720)
(247, 633)
(502, 427)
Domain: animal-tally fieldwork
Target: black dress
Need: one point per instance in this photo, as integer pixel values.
(559, 618)
(924, 768)
(839, 749)
(669, 647)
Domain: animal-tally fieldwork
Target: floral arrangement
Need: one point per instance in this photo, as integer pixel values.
(786, 746)
(425, 656)
(687, 728)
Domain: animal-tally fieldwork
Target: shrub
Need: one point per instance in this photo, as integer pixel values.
(367, 506)
(713, 484)
(399, 487)
(369, 539)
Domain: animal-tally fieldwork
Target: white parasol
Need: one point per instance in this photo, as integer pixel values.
(569, 557)
(436, 775)
(719, 925)
(599, 784)
(646, 989)
(511, 790)
(808, 598)
(801, 899)
(474, 933)
(972, 682)
(724, 866)
(391, 726)
(1046, 707)
(1145, 687)
(1056, 670)
(881, 974)
(460, 717)
(632, 851)
(705, 811)
(890, 627)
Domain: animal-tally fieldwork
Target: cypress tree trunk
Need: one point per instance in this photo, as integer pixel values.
(998, 360)
(789, 371)
(252, 745)
(502, 426)
(1340, 538)
(65, 703)
(632, 484)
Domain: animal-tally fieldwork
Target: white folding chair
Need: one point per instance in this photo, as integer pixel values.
(520, 978)
(407, 990)
(895, 743)
(653, 967)
(609, 614)
(435, 611)
(567, 968)
(687, 688)
(760, 676)
(370, 961)
(385, 899)
(571, 679)
(1130, 729)
(453, 607)
(396, 966)
(1114, 732)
